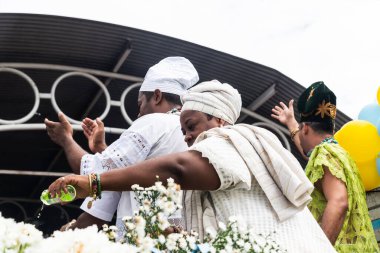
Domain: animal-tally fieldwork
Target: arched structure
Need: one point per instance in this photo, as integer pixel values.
(89, 68)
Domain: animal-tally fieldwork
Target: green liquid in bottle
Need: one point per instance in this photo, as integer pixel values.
(65, 197)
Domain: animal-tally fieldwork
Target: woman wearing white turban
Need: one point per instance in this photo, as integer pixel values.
(229, 170)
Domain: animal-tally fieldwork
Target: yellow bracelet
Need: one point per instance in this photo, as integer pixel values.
(89, 184)
(293, 133)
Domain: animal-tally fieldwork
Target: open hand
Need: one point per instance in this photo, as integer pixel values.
(285, 114)
(59, 132)
(95, 134)
(80, 183)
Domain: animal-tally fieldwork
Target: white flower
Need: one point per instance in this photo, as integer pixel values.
(169, 208)
(147, 245)
(171, 243)
(232, 219)
(125, 218)
(161, 239)
(240, 243)
(247, 246)
(113, 228)
(182, 243)
(211, 232)
(80, 240)
(17, 235)
(192, 242)
(229, 248)
(260, 240)
(256, 248)
(222, 226)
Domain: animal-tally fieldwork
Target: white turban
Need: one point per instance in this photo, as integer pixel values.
(172, 75)
(214, 98)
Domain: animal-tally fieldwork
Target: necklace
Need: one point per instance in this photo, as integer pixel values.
(325, 140)
(329, 140)
(176, 111)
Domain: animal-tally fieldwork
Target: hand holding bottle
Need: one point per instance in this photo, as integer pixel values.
(62, 185)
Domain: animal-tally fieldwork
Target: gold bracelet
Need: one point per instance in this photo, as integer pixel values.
(293, 133)
(89, 184)
(94, 183)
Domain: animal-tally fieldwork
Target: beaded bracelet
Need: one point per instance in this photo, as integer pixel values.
(99, 191)
(94, 188)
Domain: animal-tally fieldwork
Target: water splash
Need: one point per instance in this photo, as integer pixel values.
(40, 211)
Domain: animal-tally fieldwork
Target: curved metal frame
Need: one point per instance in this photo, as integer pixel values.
(122, 100)
(16, 204)
(15, 125)
(35, 91)
(91, 77)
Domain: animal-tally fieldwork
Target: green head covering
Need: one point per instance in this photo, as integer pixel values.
(317, 104)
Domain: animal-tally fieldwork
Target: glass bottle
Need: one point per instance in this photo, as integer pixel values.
(65, 197)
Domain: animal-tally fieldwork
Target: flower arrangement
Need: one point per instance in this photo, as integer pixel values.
(234, 237)
(157, 203)
(87, 240)
(148, 227)
(17, 237)
(147, 231)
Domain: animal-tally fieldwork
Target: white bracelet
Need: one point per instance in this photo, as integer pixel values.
(70, 224)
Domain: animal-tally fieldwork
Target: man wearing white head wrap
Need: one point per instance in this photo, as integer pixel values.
(154, 133)
(214, 98)
(231, 170)
(171, 75)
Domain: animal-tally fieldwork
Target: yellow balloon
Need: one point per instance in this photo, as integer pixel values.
(360, 139)
(378, 95)
(369, 175)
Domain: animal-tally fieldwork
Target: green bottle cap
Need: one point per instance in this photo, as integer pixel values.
(65, 197)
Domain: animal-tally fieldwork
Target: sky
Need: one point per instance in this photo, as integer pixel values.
(334, 41)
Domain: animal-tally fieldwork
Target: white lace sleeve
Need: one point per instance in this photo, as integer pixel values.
(129, 149)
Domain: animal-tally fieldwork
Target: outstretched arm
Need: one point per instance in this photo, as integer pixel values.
(62, 134)
(285, 115)
(189, 169)
(95, 134)
(336, 195)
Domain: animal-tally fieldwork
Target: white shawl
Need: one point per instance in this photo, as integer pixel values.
(277, 171)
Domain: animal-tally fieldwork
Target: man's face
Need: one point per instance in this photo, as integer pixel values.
(194, 123)
(145, 105)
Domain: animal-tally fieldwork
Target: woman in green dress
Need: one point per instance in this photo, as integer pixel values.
(339, 200)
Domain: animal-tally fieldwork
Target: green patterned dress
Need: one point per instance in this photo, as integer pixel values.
(357, 234)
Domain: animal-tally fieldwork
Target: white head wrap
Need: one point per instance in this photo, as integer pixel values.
(214, 98)
(172, 75)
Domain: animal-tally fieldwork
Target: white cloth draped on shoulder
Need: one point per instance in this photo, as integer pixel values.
(276, 170)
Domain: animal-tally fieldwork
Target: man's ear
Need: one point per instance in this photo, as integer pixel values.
(157, 96)
(305, 129)
(221, 122)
